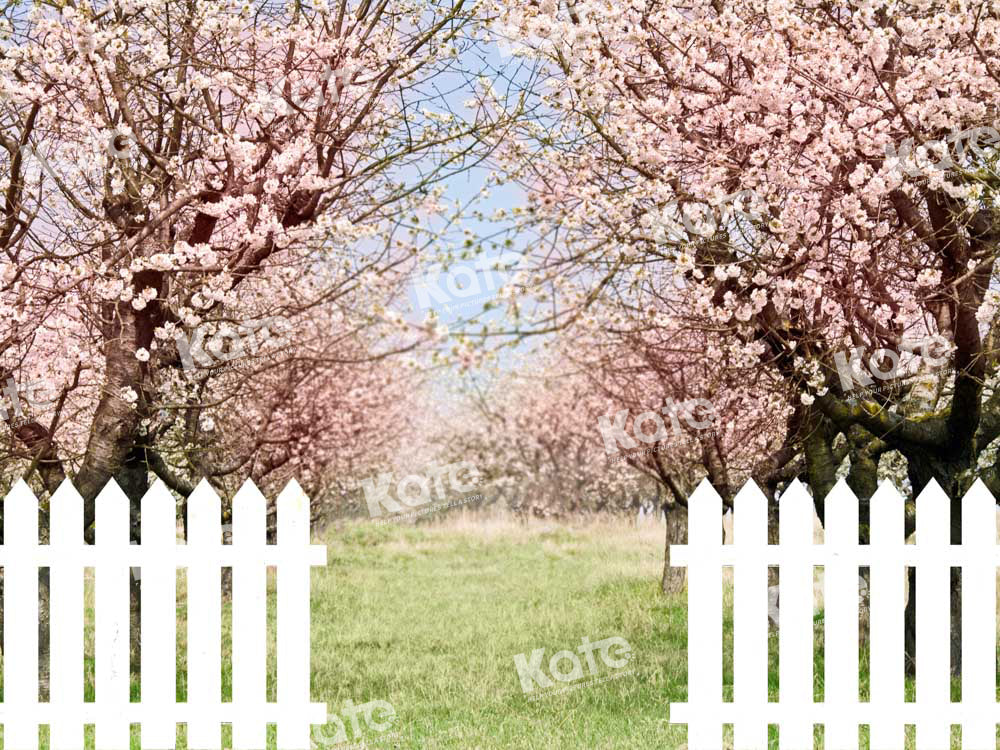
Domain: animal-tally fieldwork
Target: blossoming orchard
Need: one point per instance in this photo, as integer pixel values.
(593, 253)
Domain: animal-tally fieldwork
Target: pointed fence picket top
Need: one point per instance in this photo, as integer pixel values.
(66, 608)
(250, 612)
(204, 585)
(979, 605)
(795, 619)
(112, 687)
(159, 616)
(705, 614)
(840, 626)
(885, 622)
(293, 616)
(157, 558)
(796, 710)
(933, 650)
(20, 627)
(749, 617)
(979, 600)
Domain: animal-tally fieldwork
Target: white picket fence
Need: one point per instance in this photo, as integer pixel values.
(841, 712)
(159, 556)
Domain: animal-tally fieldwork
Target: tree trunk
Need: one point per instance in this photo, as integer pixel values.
(134, 482)
(862, 478)
(773, 537)
(676, 533)
(910, 624)
(821, 462)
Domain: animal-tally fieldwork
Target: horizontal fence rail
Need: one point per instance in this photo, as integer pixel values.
(159, 556)
(841, 712)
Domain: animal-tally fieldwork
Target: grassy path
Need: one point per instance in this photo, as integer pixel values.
(430, 618)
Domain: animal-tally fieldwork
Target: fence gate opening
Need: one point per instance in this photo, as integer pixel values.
(841, 712)
(158, 557)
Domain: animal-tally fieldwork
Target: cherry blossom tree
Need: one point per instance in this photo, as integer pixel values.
(816, 177)
(179, 176)
(530, 428)
(688, 419)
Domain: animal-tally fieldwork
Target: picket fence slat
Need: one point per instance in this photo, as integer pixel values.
(795, 619)
(750, 617)
(979, 592)
(249, 621)
(111, 619)
(159, 620)
(705, 615)
(841, 711)
(204, 582)
(886, 617)
(20, 627)
(158, 713)
(933, 649)
(293, 618)
(66, 608)
(840, 597)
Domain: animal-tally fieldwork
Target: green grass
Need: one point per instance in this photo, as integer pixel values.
(429, 619)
